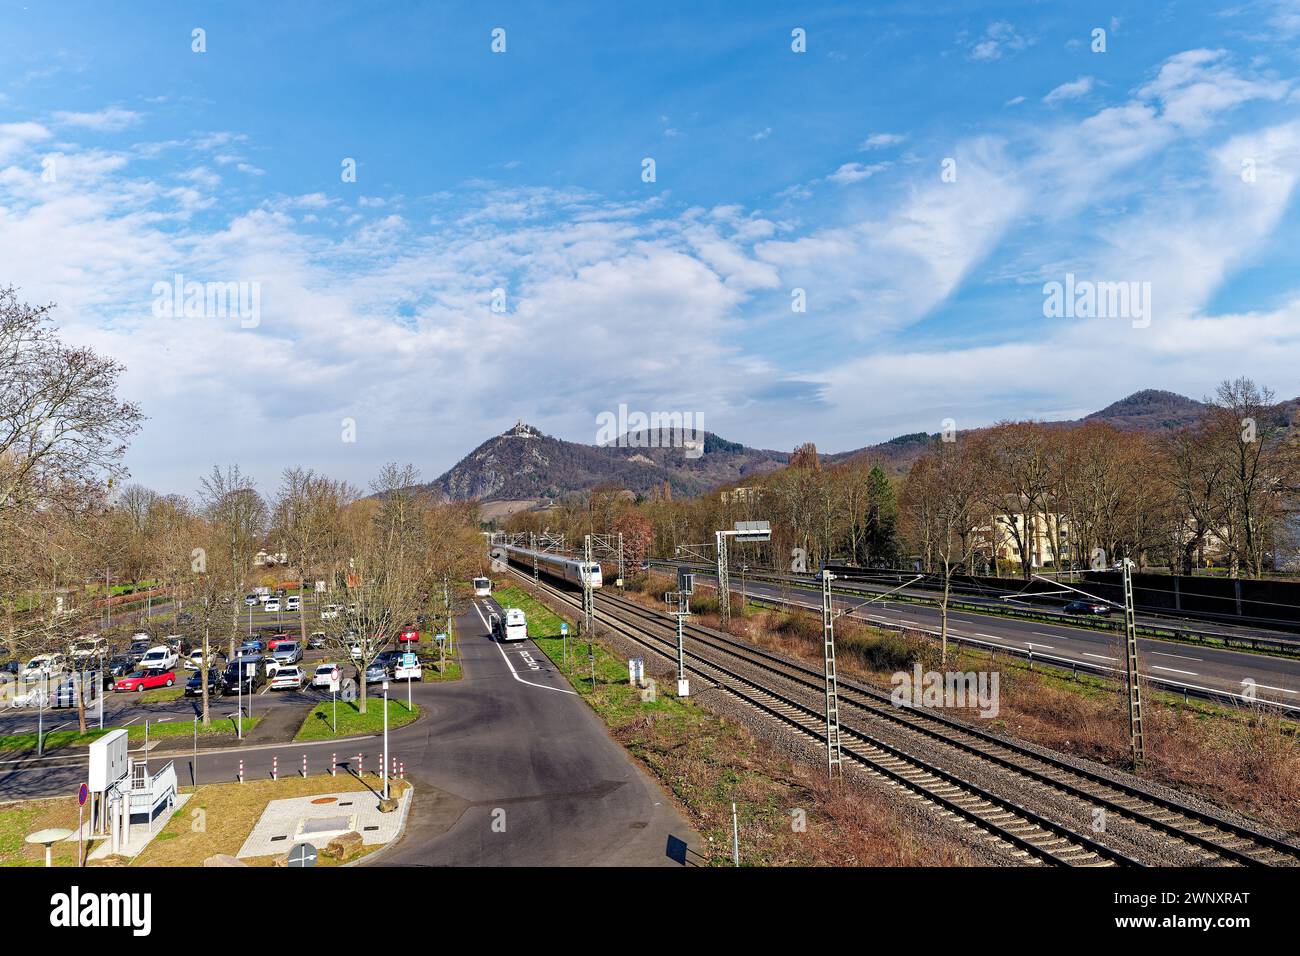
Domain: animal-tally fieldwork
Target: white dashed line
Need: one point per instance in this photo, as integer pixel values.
(1174, 670)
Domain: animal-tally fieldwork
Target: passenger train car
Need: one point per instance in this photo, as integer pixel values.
(555, 565)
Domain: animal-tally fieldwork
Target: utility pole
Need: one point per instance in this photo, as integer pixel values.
(724, 582)
(620, 561)
(588, 599)
(1131, 668)
(834, 765)
(680, 601)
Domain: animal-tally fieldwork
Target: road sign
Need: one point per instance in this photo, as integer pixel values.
(440, 638)
(302, 854)
(564, 628)
(82, 793)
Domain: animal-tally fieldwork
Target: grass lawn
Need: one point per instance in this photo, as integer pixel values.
(163, 695)
(19, 819)
(351, 722)
(220, 727)
(219, 817)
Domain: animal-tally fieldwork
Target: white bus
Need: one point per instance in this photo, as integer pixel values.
(482, 587)
(515, 627)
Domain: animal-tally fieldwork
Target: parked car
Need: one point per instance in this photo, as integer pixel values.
(251, 648)
(250, 600)
(407, 667)
(376, 672)
(330, 612)
(317, 640)
(1087, 607)
(252, 677)
(159, 658)
(354, 651)
(409, 635)
(42, 665)
(185, 617)
(141, 680)
(89, 648)
(292, 602)
(288, 678)
(139, 646)
(116, 667)
(323, 675)
(273, 604)
(216, 683)
(287, 652)
(275, 640)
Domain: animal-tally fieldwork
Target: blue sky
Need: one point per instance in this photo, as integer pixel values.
(522, 171)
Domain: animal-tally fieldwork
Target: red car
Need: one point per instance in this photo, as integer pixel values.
(145, 680)
(409, 635)
(276, 640)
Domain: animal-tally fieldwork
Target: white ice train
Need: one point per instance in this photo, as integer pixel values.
(555, 565)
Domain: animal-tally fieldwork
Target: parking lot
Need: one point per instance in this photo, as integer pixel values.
(127, 701)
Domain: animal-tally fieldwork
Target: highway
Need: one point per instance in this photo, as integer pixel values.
(1202, 671)
(509, 744)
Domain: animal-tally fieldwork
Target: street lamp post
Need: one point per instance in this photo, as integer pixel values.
(385, 740)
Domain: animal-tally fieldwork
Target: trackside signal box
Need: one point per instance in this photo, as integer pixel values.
(685, 580)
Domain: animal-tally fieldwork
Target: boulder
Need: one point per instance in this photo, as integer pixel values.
(343, 846)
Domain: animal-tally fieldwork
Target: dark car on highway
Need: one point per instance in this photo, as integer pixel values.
(1087, 607)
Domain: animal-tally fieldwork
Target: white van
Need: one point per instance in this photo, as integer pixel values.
(160, 658)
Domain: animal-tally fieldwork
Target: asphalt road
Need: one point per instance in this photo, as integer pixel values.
(1168, 663)
(510, 768)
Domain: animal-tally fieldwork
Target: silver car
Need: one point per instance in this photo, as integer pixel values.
(286, 653)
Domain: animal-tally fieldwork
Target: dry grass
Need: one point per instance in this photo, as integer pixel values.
(708, 762)
(229, 813)
(27, 816)
(1248, 762)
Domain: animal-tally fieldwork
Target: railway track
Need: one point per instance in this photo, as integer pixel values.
(1212, 839)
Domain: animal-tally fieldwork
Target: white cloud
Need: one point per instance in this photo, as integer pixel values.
(881, 141)
(110, 120)
(1000, 38)
(855, 172)
(1069, 91)
(16, 138)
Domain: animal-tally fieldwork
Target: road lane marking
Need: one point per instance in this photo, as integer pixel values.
(506, 658)
(1100, 657)
(1046, 646)
(1179, 656)
(1174, 670)
(1270, 687)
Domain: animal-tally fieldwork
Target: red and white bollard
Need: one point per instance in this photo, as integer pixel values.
(393, 769)
(275, 767)
(401, 770)
(304, 765)
(334, 765)
(241, 769)
(361, 769)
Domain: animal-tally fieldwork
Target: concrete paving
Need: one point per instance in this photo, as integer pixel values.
(318, 819)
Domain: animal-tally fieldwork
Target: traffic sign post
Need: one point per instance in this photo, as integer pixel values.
(302, 854)
(82, 793)
(334, 694)
(564, 642)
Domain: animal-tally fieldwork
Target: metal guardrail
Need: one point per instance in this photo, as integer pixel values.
(1198, 634)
